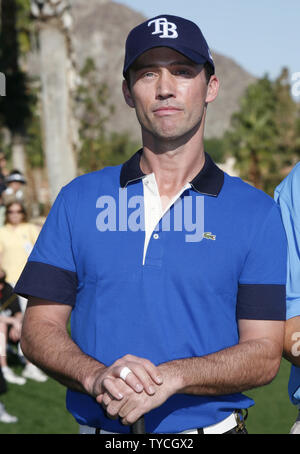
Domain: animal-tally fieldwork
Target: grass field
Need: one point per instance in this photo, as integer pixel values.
(40, 408)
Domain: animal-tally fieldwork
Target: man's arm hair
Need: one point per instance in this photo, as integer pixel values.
(249, 364)
(253, 362)
(46, 342)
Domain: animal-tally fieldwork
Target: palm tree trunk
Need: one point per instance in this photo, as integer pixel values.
(18, 153)
(60, 157)
(254, 172)
(57, 115)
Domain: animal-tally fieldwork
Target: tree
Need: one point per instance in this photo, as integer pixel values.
(286, 117)
(97, 148)
(15, 111)
(262, 138)
(215, 147)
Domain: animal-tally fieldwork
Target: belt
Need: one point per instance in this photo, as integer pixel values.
(219, 428)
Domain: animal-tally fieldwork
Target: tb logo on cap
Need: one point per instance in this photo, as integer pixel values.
(164, 28)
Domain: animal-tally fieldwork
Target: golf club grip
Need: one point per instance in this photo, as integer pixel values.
(139, 426)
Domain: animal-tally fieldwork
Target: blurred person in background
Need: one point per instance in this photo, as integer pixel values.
(3, 174)
(10, 327)
(15, 188)
(10, 321)
(4, 416)
(2, 211)
(17, 238)
(287, 195)
(3, 171)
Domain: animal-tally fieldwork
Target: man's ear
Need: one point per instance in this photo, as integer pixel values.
(213, 89)
(127, 94)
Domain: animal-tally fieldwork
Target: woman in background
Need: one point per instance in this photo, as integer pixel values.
(17, 238)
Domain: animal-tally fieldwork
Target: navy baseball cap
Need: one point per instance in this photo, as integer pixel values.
(175, 32)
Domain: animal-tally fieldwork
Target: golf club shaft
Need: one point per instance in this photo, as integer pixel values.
(139, 426)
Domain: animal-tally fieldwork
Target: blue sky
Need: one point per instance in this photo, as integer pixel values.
(261, 35)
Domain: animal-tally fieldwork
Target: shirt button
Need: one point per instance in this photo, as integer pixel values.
(155, 236)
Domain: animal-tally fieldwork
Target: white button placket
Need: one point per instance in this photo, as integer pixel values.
(153, 209)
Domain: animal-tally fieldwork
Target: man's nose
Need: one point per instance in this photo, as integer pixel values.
(165, 85)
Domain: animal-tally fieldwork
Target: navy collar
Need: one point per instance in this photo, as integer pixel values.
(209, 180)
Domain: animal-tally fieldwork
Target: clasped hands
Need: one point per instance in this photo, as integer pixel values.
(145, 387)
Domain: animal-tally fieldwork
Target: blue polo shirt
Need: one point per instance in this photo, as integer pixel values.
(187, 297)
(287, 196)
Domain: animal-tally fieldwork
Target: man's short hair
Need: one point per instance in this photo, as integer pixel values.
(209, 71)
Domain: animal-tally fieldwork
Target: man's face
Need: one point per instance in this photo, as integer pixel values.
(169, 93)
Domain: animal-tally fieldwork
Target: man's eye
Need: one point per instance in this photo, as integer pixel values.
(148, 74)
(183, 72)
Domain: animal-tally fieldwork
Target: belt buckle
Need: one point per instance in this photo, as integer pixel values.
(240, 419)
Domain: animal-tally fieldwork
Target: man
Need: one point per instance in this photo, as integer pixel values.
(173, 271)
(287, 196)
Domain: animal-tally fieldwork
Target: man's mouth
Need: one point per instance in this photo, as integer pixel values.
(166, 110)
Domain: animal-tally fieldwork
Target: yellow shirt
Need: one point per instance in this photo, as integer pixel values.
(16, 243)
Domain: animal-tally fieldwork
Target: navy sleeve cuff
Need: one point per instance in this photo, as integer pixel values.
(47, 282)
(261, 302)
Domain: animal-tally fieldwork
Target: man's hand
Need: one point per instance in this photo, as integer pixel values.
(144, 376)
(133, 405)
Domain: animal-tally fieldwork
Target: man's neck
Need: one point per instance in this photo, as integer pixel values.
(174, 165)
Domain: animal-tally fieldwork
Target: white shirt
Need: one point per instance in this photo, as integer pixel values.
(153, 207)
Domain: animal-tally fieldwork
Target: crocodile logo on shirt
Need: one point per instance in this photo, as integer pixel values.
(209, 236)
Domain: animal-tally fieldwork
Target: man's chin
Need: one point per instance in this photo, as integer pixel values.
(177, 137)
(167, 134)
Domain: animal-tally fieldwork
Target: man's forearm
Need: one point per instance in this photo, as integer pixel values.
(244, 366)
(235, 369)
(49, 347)
(47, 344)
